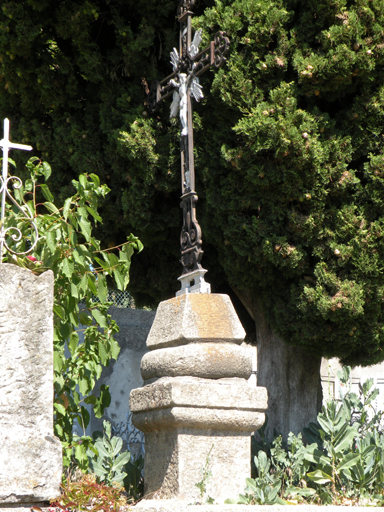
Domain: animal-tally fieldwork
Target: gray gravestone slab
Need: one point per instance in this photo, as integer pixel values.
(30, 455)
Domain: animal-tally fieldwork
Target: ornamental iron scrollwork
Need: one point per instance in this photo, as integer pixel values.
(190, 236)
(13, 233)
(133, 437)
(221, 45)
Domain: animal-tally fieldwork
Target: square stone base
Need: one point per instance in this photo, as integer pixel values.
(30, 467)
(174, 462)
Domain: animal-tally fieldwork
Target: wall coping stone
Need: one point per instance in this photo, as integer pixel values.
(178, 506)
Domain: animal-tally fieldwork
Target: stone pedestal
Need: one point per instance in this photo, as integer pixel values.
(197, 410)
(30, 455)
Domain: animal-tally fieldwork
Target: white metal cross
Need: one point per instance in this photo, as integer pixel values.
(6, 144)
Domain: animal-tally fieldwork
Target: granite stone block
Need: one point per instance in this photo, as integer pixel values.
(202, 393)
(30, 455)
(206, 360)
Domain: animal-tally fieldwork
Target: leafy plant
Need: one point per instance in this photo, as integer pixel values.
(332, 454)
(363, 413)
(105, 459)
(80, 267)
(278, 475)
(110, 465)
(264, 489)
(347, 449)
(260, 493)
(89, 495)
(205, 476)
(134, 481)
(344, 462)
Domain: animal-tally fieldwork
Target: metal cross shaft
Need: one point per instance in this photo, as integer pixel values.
(188, 64)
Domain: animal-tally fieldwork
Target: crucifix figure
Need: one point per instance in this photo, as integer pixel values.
(188, 64)
(6, 144)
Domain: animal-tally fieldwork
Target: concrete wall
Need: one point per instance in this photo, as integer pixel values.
(124, 375)
(331, 383)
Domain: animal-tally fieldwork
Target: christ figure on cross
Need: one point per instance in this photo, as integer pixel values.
(188, 64)
(187, 84)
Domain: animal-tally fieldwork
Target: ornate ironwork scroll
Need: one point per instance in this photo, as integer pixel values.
(188, 64)
(133, 437)
(190, 237)
(13, 232)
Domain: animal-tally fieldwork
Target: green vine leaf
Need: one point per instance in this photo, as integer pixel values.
(66, 246)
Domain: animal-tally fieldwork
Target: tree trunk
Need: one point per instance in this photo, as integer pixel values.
(291, 376)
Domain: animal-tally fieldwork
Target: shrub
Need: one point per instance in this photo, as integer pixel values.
(67, 246)
(341, 463)
(111, 465)
(89, 495)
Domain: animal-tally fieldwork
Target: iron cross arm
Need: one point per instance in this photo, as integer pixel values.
(211, 56)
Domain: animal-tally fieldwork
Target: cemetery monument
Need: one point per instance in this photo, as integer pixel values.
(196, 409)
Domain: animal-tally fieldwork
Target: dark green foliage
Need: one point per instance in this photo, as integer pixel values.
(289, 147)
(134, 481)
(302, 221)
(71, 78)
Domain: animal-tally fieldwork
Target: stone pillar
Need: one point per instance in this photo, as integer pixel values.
(196, 404)
(30, 455)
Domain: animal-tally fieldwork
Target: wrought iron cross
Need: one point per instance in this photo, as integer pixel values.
(188, 64)
(6, 144)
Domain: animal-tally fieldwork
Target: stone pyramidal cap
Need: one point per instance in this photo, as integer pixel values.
(195, 317)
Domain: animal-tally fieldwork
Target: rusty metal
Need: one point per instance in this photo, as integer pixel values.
(189, 64)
